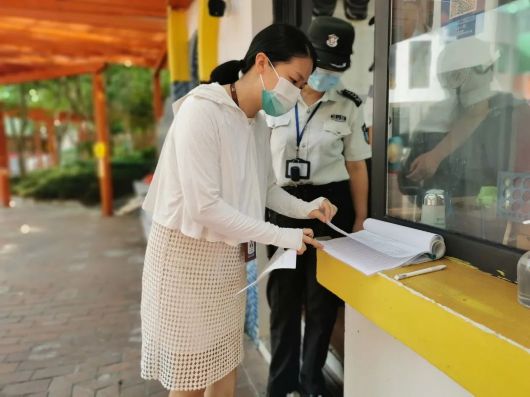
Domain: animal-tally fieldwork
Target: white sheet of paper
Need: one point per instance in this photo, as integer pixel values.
(359, 256)
(282, 259)
(393, 248)
(337, 229)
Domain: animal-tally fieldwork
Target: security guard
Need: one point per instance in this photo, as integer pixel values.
(318, 149)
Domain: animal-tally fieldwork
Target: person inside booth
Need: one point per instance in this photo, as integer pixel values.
(462, 142)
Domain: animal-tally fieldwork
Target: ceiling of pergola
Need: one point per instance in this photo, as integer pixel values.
(41, 39)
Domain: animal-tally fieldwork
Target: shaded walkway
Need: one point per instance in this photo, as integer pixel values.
(69, 305)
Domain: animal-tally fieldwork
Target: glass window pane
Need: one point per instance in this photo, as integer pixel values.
(459, 104)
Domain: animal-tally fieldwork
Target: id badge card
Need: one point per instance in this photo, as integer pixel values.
(249, 251)
(297, 169)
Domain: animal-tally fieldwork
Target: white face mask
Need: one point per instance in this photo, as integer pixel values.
(281, 99)
(322, 80)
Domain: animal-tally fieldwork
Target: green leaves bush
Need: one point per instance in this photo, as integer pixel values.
(79, 181)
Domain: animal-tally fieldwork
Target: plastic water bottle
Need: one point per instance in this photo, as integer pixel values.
(523, 279)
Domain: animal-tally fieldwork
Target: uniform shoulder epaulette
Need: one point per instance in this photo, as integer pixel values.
(351, 96)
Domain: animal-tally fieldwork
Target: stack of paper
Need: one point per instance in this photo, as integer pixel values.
(383, 245)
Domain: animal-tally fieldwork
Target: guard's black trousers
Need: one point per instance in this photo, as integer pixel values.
(288, 291)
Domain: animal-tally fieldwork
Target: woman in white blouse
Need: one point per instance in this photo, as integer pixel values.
(208, 197)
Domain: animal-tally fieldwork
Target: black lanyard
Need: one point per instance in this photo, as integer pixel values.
(300, 134)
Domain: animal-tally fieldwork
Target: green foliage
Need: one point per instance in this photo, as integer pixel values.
(129, 97)
(79, 181)
(130, 111)
(65, 94)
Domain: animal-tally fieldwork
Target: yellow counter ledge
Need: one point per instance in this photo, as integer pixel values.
(465, 322)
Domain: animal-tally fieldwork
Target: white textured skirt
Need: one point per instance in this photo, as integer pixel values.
(192, 321)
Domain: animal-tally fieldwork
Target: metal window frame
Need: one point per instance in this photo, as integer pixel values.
(492, 258)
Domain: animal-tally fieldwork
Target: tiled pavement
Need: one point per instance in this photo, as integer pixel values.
(69, 306)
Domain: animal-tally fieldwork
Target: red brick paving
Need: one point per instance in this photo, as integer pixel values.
(69, 305)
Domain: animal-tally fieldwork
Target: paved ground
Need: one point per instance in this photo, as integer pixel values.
(69, 306)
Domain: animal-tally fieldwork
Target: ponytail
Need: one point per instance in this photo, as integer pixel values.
(280, 42)
(227, 73)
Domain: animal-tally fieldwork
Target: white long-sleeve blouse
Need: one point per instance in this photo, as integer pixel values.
(214, 176)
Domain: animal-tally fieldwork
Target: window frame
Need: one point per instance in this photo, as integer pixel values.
(493, 258)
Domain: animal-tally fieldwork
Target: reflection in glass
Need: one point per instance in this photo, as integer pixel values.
(459, 90)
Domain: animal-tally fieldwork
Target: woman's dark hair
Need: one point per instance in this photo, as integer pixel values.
(280, 42)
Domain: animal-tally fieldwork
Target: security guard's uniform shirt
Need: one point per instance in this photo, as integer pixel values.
(335, 134)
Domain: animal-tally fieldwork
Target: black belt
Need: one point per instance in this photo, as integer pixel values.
(303, 187)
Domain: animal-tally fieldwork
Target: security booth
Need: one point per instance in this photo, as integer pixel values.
(450, 156)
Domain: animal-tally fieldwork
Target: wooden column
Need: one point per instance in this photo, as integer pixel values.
(101, 148)
(158, 103)
(38, 145)
(52, 142)
(157, 96)
(5, 195)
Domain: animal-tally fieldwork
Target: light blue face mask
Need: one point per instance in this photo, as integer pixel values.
(281, 99)
(322, 80)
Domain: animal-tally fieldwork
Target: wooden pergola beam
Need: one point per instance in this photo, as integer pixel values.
(71, 117)
(19, 45)
(132, 22)
(41, 59)
(36, 114)
(43, 115)
(114, 7)
(38, 62)
(40, 36)
(22, 45)
(62, 37)
(47, 74)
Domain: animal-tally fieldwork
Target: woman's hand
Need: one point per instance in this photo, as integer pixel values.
(325, 213)
(308, 239)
